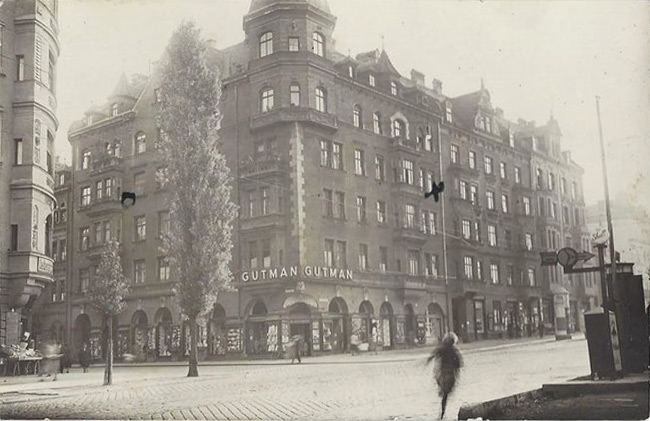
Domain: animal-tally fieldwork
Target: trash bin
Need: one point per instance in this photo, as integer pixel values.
(601, 359)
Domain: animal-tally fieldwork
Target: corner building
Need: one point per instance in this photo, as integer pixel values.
(29, 49)
(331, 156)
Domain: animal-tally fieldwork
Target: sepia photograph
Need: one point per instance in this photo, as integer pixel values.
(380, 210)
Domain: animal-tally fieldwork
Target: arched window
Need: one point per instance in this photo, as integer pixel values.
(266, 100)
(266, 44)
(376, 123)
(399, 128)
(85, 159)
(318, 44)
(140, 143)
(321, 100)
(294, 91)
(357, 116)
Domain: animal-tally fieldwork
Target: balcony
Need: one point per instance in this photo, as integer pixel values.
(403, 144)
(262, 165)
(271, 220)
(407, 188)
(101, 207)
(410, 233)
(105, 164)
(458, 168)
(293, 114)
(29, 273)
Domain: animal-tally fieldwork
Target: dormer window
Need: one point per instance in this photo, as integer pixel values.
(511, 138)
(371, 79)
(448, 114)
(488, 125)
(393, 88)
(535, 145)
(266, 44)
(351, 71)
(318, 44)
(480, 122)
(89, 120)
(114, 110)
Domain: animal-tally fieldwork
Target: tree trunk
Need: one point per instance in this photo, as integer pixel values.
(194, 361)
(108, 371)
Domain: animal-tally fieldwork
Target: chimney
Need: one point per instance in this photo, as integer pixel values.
(437, 86)
(417, 77)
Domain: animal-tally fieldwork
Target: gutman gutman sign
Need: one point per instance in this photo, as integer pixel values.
(291, 271)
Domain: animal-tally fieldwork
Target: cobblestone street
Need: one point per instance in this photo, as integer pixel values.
(385, 386)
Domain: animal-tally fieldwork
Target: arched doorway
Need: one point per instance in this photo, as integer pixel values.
(385, 327)
(81, 332)
(257, 328)
(335, 327)
(300, 324)
(163, 320)
(217, 331)
(363, 326)
(411, 324)
(140, 335)
(434, 322)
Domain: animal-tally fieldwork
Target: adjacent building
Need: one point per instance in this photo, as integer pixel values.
(29, 49)
(331, 157)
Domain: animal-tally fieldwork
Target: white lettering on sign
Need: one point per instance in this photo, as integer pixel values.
(292, 271)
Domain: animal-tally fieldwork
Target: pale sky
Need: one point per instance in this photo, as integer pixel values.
(535, 56)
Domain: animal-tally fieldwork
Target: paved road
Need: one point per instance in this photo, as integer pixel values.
(384, 387)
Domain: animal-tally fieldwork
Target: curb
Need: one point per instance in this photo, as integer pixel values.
(569, 389)
(494, 408)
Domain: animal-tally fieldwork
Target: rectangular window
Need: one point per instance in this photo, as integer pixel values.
(328, 209)
(563, 186)
(517, 175)
(488, 165)
(472, 160)
(574, 190)
(432, 223)
(410, 216)
(504, 203)
(494, 273)
(329, 253)
(380, 172)
(339, 205)
(324, 153)
(383, 259)
(163, 269)
(252, 254)
(454, 154)
(139, 271)
(492, 235)
(294, 91)
(337, 156)
(85, 196)
(502, 170)
(463, 190)
(99, 189)
(467, 229)
(84, 279)
(448, 113)
(431, 265)
(340, 255)
(359, 162)
(140, 224)
(414, 262)
(468, 263)
(381, 212)
(473, 194)
(20, 68)
(18, 151)
(63, 249)
(139, 183)
(266, 253)
(265, 200)
(477, 231)
(98, 233)
(479, 269)
(163, 223)
(554, 210)
(529, 241)
(361, 210)
(490, 199)
(108, 188)
(251, 203)
(294, 44)
(407, 171)
(526, 201)
(363, 257)
(565, 214)
(421, 179)
(14, 237)
(107, 230)
(531, 277)
(371, 80)
(510, 274)
(84, 238)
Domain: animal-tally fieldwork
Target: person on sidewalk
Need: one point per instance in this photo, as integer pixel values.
(84, 357)
(448, 362)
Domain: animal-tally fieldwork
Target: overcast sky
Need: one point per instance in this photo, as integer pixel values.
(535, 57)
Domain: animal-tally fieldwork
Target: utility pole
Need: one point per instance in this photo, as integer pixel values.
(444, 236)
(610, 229)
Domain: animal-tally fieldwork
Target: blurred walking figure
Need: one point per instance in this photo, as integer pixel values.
(84, 357)
(448, 362)
(295, 346)
(50, 365)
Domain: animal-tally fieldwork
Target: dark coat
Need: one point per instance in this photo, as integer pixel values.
(447, 369)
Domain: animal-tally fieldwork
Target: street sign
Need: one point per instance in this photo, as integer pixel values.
(549, 258)
(567, 257)
(600, 237)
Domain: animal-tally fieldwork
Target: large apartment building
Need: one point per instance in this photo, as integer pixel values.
(331, 157)
(29, 49)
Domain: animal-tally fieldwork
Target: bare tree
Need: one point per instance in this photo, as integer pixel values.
(199, 243)
(107, 293)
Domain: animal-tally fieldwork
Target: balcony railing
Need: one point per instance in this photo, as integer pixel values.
(410, 232)
(107, 163)
(261, 165)
(405, 144)
(293, 114)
